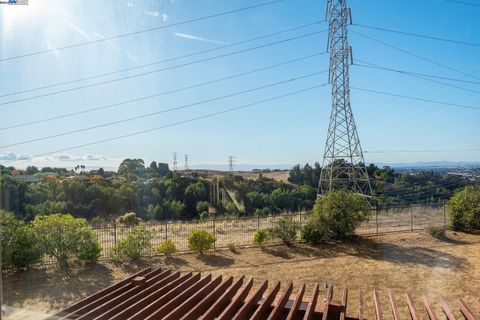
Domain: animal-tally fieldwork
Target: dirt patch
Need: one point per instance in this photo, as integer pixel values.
(413, 262)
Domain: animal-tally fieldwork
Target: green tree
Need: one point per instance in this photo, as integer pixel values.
(464, 209)
(335, 216)
(132, 167)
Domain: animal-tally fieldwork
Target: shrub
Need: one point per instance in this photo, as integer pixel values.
(231, 247)
(65, 237)
(200, 241)
(129, 219)
(202, 206)
(335, 216)
(285, 230)
(204, 215)
(260, 237)
(139, 238)
(167, 247)
(464, 209)
(436, 232)
(19, 244)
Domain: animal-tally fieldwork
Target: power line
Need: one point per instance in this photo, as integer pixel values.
(160, 70)
(209, 115)
(161, 61)
(108, 106)
(163, 111)
(418, 35)
(415, 55)
(417, 98)
(376, 66)
(80, 44)
(420, 151)
(465, 3)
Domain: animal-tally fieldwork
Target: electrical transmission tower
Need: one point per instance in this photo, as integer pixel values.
(175, 161)
(186, 162)
(231, 161)
(343, 163)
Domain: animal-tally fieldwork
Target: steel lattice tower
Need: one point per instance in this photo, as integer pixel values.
(343, 164)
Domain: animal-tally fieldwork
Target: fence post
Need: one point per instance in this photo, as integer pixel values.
(376, 218)
(411, 218)
(444, 217)
(114, 232)
(166, 230)
(214, 233)
(258, 222)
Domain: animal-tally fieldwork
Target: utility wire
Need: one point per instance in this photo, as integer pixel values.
(418, 99)
(419, 151)
(182, 121)
(164, 111)
(415, 55)
(108, 106)
(80, 44)
(160, 70)
(161, 61)
(417, 35)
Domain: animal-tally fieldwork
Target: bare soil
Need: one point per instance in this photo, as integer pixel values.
(411, 262)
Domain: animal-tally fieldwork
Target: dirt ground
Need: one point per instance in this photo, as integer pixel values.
(404, 262)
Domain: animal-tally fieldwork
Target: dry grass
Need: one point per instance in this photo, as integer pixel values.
(413, 262)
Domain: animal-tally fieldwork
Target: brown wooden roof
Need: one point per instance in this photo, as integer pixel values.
(166, 294)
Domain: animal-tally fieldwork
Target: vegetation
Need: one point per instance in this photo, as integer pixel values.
(129, 219)
(260, 237)
(167, 247)
(436, 232)
(335, 216)
(19, 244)
(64, 238)
(286, 231)
(231, 247)
(464, 209)
(200, 241)
(139, 239)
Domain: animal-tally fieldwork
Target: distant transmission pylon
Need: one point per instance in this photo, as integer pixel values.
(231, 161)
(175, 161)
(186, 162)
(343, 163)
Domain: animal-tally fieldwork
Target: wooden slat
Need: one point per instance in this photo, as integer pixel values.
(328, 299)
(192, 302)
(200, 308)
(312, 303)
(266, 304)
(478, 304)
(467, 313)
(251, 302)
(223, 300)
(361, 306)
(281, 303)
(97, 295)
(430, 311)
(393, 304)
(343, 312)
(114, 299)
(169, 304)
(411, 307)
(446, 309)
(296, 303)
(154, 305)
(237, 301)
(149, 295)
(378, 308)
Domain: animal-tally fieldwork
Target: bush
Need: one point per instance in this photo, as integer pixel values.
(464, 209)
(19, 244)
(139, 238)
(260, 237)
(204, 215)
(285, 230)
(65, 237)
(167, 247)
(129, 219)
(202, 206)
(436, 232)
(200, 241)
(231, 247)
(335, 216)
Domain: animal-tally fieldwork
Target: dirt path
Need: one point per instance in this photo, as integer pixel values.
(413, 262)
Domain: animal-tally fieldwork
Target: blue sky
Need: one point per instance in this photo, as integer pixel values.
(284, 131)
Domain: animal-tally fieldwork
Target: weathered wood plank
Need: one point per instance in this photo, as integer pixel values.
(237, 301)
(281, 303)
(223, 301)
(446, 309)
(378, 308)
(296, 303)
(467, 313)
(361, 306)
(251, 302)
(393, 305)
(430, 311)
(411, 307)
(266, 304)
(312, 303)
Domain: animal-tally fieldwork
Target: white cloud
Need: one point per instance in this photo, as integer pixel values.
(24, 156)
(193, 37)
(8, 156)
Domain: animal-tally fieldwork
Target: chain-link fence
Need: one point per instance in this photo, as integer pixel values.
(239, 231)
